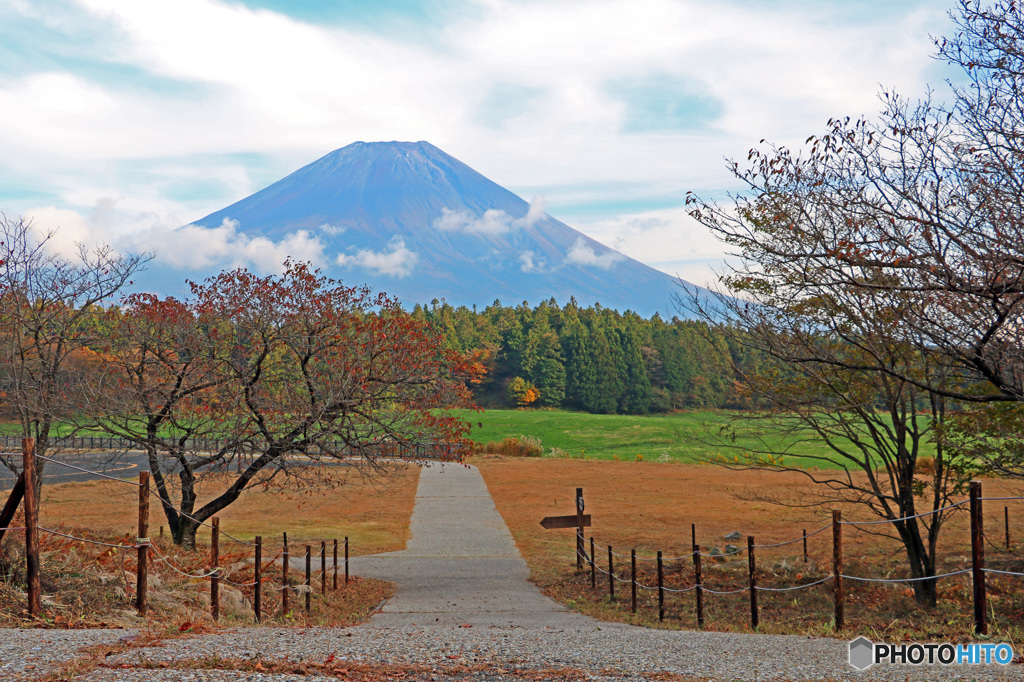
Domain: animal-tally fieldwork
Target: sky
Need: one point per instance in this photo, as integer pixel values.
(121, 120)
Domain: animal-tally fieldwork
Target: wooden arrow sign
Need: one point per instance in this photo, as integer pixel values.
(550, 522)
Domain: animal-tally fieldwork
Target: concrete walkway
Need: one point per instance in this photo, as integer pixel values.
(461, 565)
(461, 568)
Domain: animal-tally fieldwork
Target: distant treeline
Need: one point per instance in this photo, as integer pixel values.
(591, 359)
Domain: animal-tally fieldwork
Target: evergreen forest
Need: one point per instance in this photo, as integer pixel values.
(592, 359)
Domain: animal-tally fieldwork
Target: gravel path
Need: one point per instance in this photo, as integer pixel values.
(464, 609)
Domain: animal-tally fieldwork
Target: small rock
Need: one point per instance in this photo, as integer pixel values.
(735, 535)
(732, 549)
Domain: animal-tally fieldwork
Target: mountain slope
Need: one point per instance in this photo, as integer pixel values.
(419, 224)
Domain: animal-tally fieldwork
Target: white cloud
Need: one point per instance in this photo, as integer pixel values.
(581, 254)
(396, 260)
(69, 228)
(493, 221)
(331, 230)
(192, 247)
(257, 81)
(536, 212)
(527, 264)
(668, 239)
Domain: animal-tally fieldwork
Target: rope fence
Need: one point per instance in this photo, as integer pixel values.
(23, 494)
(837, 575)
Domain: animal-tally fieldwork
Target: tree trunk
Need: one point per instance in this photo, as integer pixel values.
(160, 483)
(186, 533)
(922, 564)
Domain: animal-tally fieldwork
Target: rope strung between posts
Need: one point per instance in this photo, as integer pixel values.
(795, 587)
(736, 551)
(905, 580)
(138, 545)
(707, 589)
(92, 542)
(999, 499)
(155, 493)
(167, 561)
(617, 578)
(790, 542)
(685, 589)
(740, 550)
(152, 492)
(905, 518)
(996, 570)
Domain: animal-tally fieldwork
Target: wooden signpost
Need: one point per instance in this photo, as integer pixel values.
(550, 522)
(579, 520)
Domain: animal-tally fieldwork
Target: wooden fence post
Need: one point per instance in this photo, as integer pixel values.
(579, 528)
(257, 598)
(284, 577)
(593, 564)
(661, 589)
(309, 586)
(751, 563)
(323, 567)
(693, 534)
(699, 590)
(346, 560)
(611, 575)
(977, 559)
(28, 457)
(335, 564)
(805, 545)
(1006, 521)
(142, 574)
(632, 562)
(215, 568)
(837, 567)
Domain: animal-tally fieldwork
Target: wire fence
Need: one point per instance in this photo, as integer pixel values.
(24, 492)
(698, 584)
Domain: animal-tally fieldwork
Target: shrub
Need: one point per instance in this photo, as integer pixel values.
(515, 446)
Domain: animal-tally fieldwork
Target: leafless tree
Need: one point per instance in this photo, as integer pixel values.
(881, 267)
(48, 321)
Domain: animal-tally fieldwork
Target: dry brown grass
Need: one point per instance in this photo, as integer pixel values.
(87, 585)
(373, 512)
(650, 506)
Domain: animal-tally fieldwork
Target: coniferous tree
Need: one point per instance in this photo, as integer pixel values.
(636, 394)
(579, 362)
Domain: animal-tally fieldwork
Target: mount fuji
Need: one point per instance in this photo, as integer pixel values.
(412, 221)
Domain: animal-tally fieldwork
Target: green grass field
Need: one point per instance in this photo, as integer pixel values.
(680, 437)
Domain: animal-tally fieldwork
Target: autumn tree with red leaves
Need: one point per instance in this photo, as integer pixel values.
(284, 372)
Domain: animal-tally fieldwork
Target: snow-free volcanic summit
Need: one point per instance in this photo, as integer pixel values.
(414, 222)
